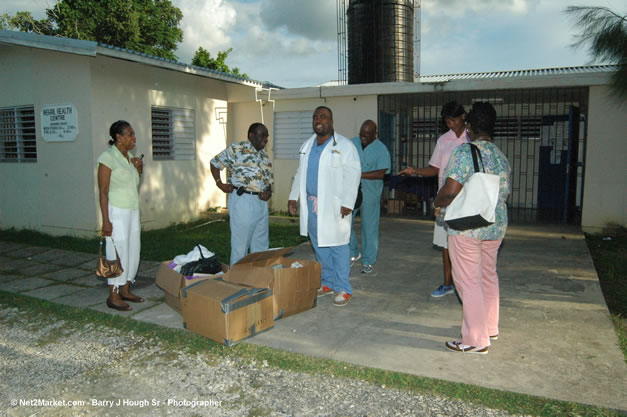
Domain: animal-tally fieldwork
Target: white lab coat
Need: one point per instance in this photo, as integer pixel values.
(339, 174)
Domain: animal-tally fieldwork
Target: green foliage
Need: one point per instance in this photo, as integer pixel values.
(202, 58)
(148, 26)
(605, 34)
(25, 22)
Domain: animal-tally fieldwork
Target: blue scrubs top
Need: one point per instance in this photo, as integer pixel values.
(373, 158)
(312, 166)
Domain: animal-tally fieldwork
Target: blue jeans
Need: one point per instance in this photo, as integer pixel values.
(335, 260)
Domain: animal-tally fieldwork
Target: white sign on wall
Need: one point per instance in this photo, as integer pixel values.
(59, 122)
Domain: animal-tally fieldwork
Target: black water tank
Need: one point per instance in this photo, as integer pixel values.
(380, 41)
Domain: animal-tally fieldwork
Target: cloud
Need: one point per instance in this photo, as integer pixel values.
(312, 19)
(462, 7)
(206, 23)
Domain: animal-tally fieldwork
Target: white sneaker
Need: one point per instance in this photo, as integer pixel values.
(355, 258)
(367, 269)
(342, 298)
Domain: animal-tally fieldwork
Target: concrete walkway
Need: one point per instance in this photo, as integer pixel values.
(556, 335)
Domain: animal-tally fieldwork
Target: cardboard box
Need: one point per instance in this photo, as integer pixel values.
(293, 289)
(171, 282)
(395, 206)
(226, 312)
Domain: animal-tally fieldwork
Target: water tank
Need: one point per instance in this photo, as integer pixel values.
(380, 41)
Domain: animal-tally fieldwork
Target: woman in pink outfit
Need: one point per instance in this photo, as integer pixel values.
(473, 252)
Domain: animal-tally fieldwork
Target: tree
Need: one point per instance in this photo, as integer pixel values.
(202, 58)
(605, 34)
(148, 26)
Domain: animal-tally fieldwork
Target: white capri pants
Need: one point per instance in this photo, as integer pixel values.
(126, 236)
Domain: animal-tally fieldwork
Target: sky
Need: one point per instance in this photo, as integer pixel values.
(293, 43)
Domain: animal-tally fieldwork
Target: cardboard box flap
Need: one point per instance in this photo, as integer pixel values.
(230, 296)
(249, 275)
(168, 279)
(266, 257)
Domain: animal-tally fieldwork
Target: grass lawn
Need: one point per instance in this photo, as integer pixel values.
(609, 258)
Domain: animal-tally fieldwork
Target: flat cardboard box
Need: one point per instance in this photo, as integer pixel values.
(171, 282)
(293, 289)
(226, 312)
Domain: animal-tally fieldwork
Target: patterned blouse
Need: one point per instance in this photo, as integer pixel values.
(460, 168)
(246, 166)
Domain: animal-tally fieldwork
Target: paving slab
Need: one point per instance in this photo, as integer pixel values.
(67, 274)
(90, 280)
(75, 259)
(14, 264)
(85, 297)
(51, 255)
(51, 292)
(137, 307)
(7, 277)
(161, 314)
(26, 251)
(24, 284)
(151, 292)
(36, 268)
(10, 246)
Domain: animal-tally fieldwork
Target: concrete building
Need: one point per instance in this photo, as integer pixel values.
(182, 117)
(559, 127)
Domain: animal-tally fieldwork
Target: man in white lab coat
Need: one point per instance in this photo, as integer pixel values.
(326, 184)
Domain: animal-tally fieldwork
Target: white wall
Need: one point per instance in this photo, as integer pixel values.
(52, 194)
(348, 114)
(604, 198)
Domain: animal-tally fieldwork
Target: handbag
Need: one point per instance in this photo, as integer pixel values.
(475, 205)
(106, 268)
(202, 266)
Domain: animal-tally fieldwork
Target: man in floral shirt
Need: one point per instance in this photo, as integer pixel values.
(249, 186)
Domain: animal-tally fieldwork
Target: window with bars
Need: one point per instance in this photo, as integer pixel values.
(173, 134)
(18, 142)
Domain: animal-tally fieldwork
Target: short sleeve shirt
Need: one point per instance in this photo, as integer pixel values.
(443, 150)
(246, 166)
(460, 168)
(373, 158)
(124, 182)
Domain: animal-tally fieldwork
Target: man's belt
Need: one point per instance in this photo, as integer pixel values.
(242, 190)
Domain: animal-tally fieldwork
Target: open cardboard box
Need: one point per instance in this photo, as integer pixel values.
(171, 282)
(226, 312)
(293, 289)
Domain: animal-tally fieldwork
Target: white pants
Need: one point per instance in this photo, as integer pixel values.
(126, 237)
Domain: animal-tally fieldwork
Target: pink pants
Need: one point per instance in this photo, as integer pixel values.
(474, 273)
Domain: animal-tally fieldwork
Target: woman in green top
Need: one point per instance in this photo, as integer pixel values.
(473, 252)
(118, 182)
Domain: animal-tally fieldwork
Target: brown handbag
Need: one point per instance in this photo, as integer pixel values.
(106, 268)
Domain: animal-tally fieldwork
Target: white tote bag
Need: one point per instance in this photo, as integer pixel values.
(475, 205)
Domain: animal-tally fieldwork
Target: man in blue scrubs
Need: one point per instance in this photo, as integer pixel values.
(375, 163)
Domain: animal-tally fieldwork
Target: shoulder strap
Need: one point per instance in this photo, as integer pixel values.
(200, 251)
(476, 156)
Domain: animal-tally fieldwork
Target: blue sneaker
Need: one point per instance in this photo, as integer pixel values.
(443, 290)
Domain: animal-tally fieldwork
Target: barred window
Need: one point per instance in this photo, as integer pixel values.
(18, 142)
(173, 134)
